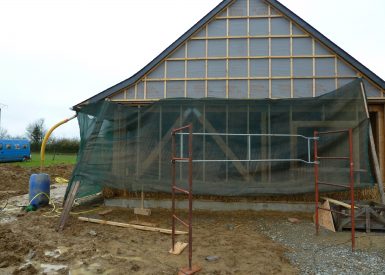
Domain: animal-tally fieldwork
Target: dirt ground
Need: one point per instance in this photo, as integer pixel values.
(87, 248)
(30, 242)
(242, 242)
(14, 179)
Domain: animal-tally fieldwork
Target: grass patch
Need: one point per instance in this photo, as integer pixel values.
(50, 159)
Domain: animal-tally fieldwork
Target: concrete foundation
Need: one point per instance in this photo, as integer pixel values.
(216, 206)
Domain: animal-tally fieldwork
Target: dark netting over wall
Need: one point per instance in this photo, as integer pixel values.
(127, 148)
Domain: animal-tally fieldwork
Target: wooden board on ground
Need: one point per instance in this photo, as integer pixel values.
(135, 226)
(325, 217)
(143, 223)
(178, 248)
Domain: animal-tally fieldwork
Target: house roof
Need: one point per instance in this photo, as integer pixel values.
(277, 5)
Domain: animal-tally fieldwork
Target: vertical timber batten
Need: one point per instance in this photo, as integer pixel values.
(373, 150)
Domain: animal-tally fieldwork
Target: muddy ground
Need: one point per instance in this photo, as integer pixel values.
(29, 241)
(242, 242)
(14, 179)
(87, 248)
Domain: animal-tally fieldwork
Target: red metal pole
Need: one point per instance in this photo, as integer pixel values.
(190, 197)
(351, 161)
(316, 180)
(173, 175)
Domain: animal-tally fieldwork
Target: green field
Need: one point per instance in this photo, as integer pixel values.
(50, 159)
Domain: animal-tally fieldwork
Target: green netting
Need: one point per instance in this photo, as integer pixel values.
(129, 147)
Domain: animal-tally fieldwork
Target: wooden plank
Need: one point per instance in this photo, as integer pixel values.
(134, 226)
(143, 223)
(326, 218)
(377, 170)
(178, 248)
(367, 218)
(339, 203)
(68, 205)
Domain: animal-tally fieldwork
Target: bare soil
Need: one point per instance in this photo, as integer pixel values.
(243, 242)
(103, 249)
(14, 180)
(85, 248)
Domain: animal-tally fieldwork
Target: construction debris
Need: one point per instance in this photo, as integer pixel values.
(369, 216)
(325, 217)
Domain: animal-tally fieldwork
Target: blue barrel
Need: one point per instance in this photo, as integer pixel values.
(39, 184)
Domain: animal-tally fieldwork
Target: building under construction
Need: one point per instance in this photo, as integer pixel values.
(255, 81)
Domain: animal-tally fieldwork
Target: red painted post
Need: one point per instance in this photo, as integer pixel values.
(173, 175)
(351, 162)
(190, 269)
(190, 196)
(316, 136)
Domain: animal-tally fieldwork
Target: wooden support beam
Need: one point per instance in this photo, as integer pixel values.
(377, 170)
(68, 205)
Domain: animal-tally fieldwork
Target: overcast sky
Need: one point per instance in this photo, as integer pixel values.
(54, 54)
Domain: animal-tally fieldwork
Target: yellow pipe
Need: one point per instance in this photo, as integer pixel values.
(46, 137)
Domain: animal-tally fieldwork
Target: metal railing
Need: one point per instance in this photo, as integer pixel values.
(249, 159)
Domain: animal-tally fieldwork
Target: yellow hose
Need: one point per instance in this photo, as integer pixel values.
(46, 137)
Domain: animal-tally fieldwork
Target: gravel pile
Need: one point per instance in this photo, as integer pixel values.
(328, 253)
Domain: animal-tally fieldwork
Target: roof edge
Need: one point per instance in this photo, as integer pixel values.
(327, 42)
(157, 59)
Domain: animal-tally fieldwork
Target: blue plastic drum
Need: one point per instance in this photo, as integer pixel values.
(39, 184)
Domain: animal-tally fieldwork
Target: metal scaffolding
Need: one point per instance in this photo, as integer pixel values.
(190, 269)
(350, 186)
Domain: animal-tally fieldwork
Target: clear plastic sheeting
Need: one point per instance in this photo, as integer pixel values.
(129, 147)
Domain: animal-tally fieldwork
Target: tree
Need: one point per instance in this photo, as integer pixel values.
(4, 133)
(36, 132)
